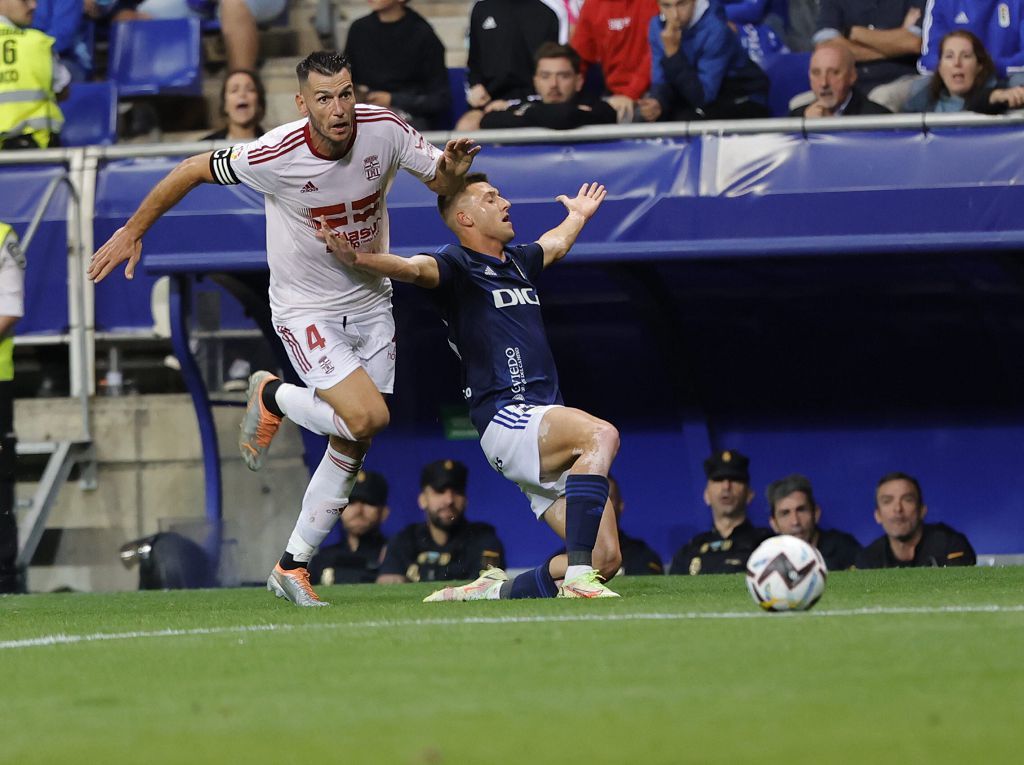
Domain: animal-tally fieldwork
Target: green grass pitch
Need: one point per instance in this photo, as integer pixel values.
(913, 666)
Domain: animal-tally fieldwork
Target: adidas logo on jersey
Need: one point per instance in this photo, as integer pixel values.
(489, 23)
(488, 271)
(961, 18)
(308, 187)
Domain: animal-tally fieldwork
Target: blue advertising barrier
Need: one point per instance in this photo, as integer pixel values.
(842, 305)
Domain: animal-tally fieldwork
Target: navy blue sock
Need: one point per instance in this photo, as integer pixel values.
(585, 497)
(535, 583)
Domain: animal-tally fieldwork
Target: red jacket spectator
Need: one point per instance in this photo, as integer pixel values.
(613, 33)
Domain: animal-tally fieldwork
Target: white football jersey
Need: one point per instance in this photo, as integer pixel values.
(299, 186)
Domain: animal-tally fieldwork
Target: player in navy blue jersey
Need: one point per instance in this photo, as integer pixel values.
(558, 456)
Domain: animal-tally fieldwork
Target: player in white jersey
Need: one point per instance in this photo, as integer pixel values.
(336, 164)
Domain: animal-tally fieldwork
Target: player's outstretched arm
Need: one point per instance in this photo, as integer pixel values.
(560, 239)
(126, 242)
(420, 270)
(452, 165)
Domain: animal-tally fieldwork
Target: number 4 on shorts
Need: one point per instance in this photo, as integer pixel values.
(313, 338)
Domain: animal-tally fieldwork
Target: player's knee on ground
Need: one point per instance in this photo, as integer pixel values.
(368, 422)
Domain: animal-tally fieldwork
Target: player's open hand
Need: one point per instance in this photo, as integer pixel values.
(587, 201)
(341, 248)
(122, 246)
(458, 155)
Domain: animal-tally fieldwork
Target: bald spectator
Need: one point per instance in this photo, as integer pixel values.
(833, 75)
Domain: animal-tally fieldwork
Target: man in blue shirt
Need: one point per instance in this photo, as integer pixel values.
(559, 457)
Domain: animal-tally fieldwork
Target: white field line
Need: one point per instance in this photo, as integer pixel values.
(64, 639)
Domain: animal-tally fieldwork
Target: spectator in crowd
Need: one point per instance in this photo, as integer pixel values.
(638, 557)
(243, 105)
(503, 35)
(32, 80)
(699, 70)
(12, 308)
(792, 510)
(833, 73)
(63, 20)
(724, 549)
(999, 24)
(357, 559)
(558, 102)
(398, 62)
(239, 22)
(801, 23)
(568, 13)
(908, 540)
(613, 33)
(965, 81)
(885, 40)
(446, 546)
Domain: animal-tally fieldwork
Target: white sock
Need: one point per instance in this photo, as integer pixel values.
(303, 407)
(325, 499)
(573, 571)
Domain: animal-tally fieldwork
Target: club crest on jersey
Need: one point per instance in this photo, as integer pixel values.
(503, 298)
(371, 167)
(1004, 15)
(326, 365)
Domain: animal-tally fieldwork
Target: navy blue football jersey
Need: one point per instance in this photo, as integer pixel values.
(495, 327)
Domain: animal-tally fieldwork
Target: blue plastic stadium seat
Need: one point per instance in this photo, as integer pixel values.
(457, 86)
(156, 57)
(788, 75)
(90, 114)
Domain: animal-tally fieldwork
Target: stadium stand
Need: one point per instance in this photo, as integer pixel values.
(90, 114)
(156, 57)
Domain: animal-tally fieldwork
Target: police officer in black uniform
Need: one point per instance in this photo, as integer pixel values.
(357, 559)
(793, 510)
(908, 540)
(724, 549)
(446, 546)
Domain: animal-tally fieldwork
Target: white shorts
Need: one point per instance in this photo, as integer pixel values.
(511, 444)
(324, 351)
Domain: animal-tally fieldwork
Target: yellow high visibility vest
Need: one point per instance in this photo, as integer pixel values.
(7, 344)
(28, 105)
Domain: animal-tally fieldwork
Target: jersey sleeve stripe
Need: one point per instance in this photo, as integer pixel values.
(256, 153)
(279, 152)
(383, 118)
(220, 168)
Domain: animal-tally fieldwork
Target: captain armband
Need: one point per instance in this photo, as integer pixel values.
(220, 167)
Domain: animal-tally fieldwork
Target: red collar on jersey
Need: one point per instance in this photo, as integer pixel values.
(315, 153)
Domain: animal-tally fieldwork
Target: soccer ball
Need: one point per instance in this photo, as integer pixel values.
(786, 574)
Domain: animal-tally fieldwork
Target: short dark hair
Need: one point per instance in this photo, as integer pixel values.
(444, 203)
(325, 62)
(779, 490)
(261, 92)
(552, 49)
(986, 68)
(900, 476)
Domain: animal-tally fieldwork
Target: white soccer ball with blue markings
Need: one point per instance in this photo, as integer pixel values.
(786, 574)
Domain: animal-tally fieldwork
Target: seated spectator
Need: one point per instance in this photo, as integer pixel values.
(638, 557)
(885, 40)
(613, 34)
(699, 70)
(63, 20)
(243, 104)
(724, 549)
(999, 24)
(558, 103)
(357, 559)
(833, 73)
(503, 35)
(792, 510)
(398, 62)
(33, 81)
(446, 546)
(908, 540)
(965, 81)
(239, 22)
